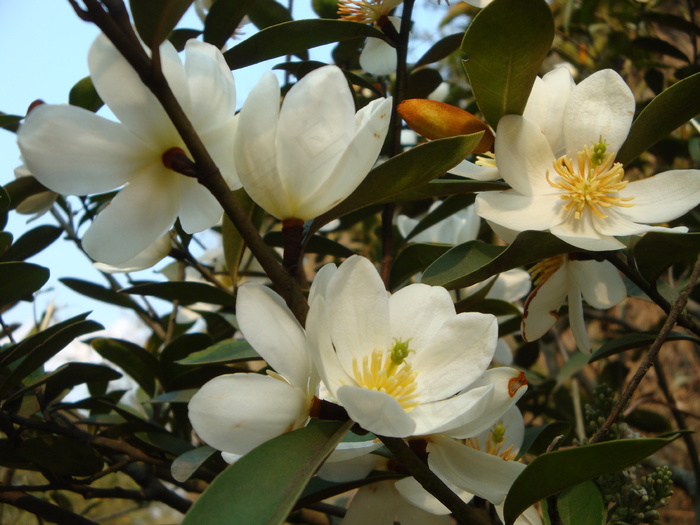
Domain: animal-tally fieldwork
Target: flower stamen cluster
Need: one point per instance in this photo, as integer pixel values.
(543, 270)
(388, 372)
(486, 160)
(365, 11)
(494, 443)
(592, 183)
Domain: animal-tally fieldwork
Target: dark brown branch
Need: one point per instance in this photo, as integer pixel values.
(43, 509)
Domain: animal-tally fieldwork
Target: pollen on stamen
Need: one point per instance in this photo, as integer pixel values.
(544, 269)
(592, 183)
(363, 11)
(379, 372)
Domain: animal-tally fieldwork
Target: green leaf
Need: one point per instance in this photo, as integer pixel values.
(223, 19)
(412, 260)
(443, 211)
(84, 95)
(537, 439)
(283, 466)
(187, 464)
(489, 306)
(138, 363)
(406, 171)
(554, 472)
(61, 455)
(582, 505)
(229, 351)
(422, 82)
(234, 245)
(99, 293)
(664, 114)
(19, 190)
(18, 280)
(290, 38)
(441, 49)
(155, 19)
(319, 489)
(502, 70)
(179, 37)
(656, 45)
(444, 188)
(184, 291)
(656, 251)
(317, 244)
(476, 261)
(176, 396)
(5, 241)
(10, 122)
(32, 242)
(266, 13)
(635, 340)
(5, 200)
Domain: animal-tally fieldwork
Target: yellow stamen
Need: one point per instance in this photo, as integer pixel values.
(487, 160)
(544, 269)
(365, 11)
(388, 372)
(592, 183)
(494, 443)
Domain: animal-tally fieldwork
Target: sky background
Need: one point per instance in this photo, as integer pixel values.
(43, 53)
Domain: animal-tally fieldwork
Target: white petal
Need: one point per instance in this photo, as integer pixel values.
(378, 58)
(510, 285)
(359, 311)
(577, 321)
(474, 171)
(587, 233)
(319, 287)
(255, 151)
(601, 106)
(73, 151)
(503, 354)
(354, 163)
(542, 305)
(199, 209)
(417, 312)
(487, 476)
(406, 224)
(414, 492)
(237, 412)
(663, 197)
(519, 212)
(454, 412)
(271, 328)
(130, 100)
(316, 124)
(220, 145)
(348, 470)
(524, 156)
(376, 411)
(136, 218)
(371, 505)
(456, 356)
(141, 261)
(599, 282)
(211, 87)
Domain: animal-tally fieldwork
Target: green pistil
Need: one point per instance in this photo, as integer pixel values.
(399, 351)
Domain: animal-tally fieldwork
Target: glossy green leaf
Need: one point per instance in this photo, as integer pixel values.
(20, 189)
(186, 292)
(229, 351)
(164, 442)
(413, 259)
(32, 242)
(413, 168)
(656, 251)
(422, 82)
(84, 95)
(505, 45)
(665, 113)
(283, 466)
(476, 261)
(490, 306)
(187, 464)
(18, 280)
(554, 472)
(657, 45)
(10, 122)
(5, 241)
(317, 244)
(648, 421)
(635, 340)
(180, 348)
(582, 505)
(176, 396)
(5, 200)
(448, 207)
(266, 13)
(98, 292)
(294, 37)
(179, 37)
(319, 489)
(223, 19)
(154, 19)
(139, 364)
(444, 188)
(62, 455)
(538, 438)
(441, 49)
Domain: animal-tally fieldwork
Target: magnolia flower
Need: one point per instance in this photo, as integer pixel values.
(564, 277)
(301, 160)
(36, 204)
(402, 365)
(237, 412)
(378, 57)
(142, 260)
(73, 151)
(581, 196)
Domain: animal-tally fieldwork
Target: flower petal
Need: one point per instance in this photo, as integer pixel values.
(599, 282)
(586, 233)
(137, 217)
(456, 356)
(142, 260)
(601, 106)
(370, 505)
(198, 208)
(237, 412)
(73, 151)
(271, 328)
(376, 411)
(453, 412)
(378, 58)
(414, 492)
(474, 171)
(542, 305)
(220, 145)
(576, 319)
(349, 469)
(519, 212)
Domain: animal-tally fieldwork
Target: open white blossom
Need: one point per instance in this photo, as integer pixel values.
(73, 151)
(299, 161)
(405, 364)
(580, 196)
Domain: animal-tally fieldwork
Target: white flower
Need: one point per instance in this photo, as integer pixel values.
(580, 196)
(564, 277)
(36, 204)
(73, 151)
(402, 365)
(378, 57)
(301, 160)
(237, 412)
(142, 260)
(460, 227)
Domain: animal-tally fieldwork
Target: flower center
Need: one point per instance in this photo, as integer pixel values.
(494, 443)
(544, 269)
(592, 183)
(365, 11)
(487, 160)
(388, 372)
